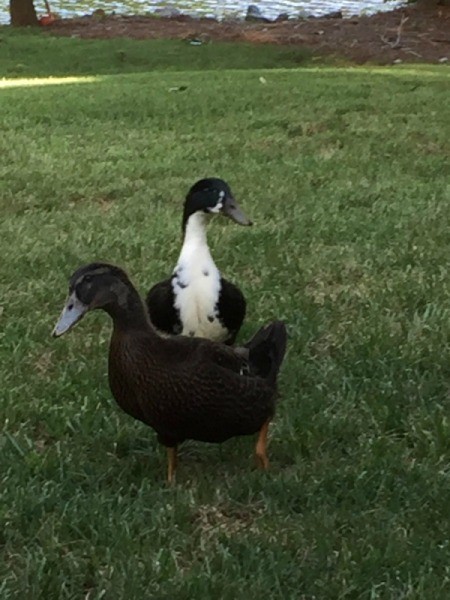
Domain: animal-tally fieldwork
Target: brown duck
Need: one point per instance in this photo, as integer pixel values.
(184, 388)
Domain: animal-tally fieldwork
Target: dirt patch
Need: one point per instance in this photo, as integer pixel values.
(211, 520)
(410, 34)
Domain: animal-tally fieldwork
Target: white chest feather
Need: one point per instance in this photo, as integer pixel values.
(196, 284)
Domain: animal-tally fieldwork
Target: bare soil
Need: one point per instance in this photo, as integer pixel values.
(410, 34)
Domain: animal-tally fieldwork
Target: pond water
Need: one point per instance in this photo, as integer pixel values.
(210, 8)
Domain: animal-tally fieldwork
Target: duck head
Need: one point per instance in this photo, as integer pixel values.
(213, 196)
(93, 286)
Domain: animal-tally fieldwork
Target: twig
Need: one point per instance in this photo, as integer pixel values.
(396, 44)
(413, 52)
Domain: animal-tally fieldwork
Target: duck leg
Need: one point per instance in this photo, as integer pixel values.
(172, 463)
(261, 447)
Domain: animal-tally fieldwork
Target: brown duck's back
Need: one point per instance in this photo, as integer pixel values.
(187, 388)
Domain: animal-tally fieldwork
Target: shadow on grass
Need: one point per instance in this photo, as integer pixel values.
(32, 53)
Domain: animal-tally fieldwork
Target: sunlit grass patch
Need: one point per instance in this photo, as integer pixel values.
(41, 81)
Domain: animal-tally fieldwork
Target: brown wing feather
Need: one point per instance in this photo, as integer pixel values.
(187, 388)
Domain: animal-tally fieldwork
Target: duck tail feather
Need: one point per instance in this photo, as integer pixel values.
(266, 350)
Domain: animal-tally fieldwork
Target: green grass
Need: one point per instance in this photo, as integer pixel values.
(346, 175)
(39, 55)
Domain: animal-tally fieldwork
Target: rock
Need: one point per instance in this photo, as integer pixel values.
(254, 11)
(197, 39)
(282, 17)
(254, 14)
(303, 14)
(335, 14)
(168, 11)
(443, 60)
(99, 14)
(397, 61)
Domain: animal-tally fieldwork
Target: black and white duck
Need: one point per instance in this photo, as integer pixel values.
(197, 301)
(184, 388)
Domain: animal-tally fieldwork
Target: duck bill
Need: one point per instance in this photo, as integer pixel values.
(73, 311)
(232, 209)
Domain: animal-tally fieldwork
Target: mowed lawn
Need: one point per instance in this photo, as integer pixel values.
(345, 172)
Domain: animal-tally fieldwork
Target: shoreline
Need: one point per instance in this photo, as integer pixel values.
(404, 35)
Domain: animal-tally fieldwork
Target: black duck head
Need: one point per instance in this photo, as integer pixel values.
(213, 196)
(92, 286)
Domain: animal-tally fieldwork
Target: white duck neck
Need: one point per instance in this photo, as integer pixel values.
(195, 244)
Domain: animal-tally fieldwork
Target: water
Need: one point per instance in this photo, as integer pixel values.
(209, 8)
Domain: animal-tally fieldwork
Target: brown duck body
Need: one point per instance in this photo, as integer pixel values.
(184, 388)
(187, 388)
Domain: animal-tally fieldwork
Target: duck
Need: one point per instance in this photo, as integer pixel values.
(183, 388)
(196, 300)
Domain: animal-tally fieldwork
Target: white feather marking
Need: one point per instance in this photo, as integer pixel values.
(196, 293)
(217, 208)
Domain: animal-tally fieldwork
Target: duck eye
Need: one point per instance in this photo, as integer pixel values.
(88, 278)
